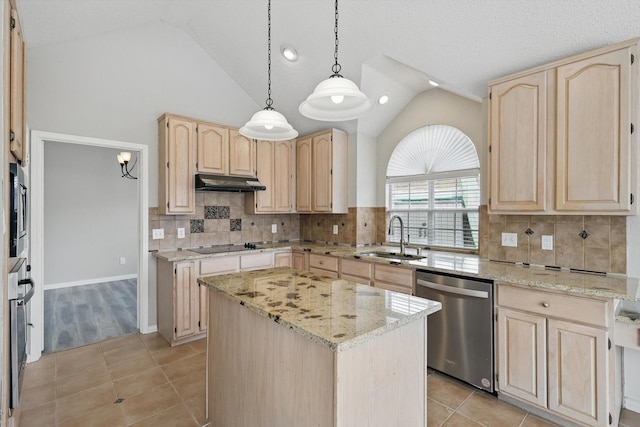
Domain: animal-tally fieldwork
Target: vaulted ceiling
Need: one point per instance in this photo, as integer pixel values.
(386, 46)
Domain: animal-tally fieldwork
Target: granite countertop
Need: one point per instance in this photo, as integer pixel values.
(606, 286)
(333, 312)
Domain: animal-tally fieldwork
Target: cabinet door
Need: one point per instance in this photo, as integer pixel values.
(203, 308)
(282, 175)
(265, 164)
(299, 261)
(242, 155)
(518, 138)
(180, 157)
(321, 183)
(303, 175)
(186, 300)
(282, 259)
(593, 133)
(213, 149)
(578, 372)
(522, 367)
(17, 92)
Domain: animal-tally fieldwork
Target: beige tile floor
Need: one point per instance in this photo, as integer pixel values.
(138, 380)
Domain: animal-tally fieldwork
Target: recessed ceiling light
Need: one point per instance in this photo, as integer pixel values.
(289, 52)
(383, 99)
(434, 83)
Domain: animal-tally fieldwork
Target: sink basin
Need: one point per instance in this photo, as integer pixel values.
(392, 255)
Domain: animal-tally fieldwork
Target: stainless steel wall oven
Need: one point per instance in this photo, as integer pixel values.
(18, 215)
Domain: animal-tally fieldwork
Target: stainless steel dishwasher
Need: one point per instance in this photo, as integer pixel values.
(460, 336)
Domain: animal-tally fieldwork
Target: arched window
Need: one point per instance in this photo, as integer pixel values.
(433, 184)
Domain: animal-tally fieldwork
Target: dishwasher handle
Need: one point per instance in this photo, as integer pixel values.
(453, 289)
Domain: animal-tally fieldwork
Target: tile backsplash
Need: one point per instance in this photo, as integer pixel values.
(357, 227)
(602, 247)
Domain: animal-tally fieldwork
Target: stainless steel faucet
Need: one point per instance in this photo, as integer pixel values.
(402, 242)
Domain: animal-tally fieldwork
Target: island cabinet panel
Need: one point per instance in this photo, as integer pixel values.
(263, 374)
(259, 370)
(186, 298)
(594, 135)
(519, 143)
(213, 149)
(176, 165)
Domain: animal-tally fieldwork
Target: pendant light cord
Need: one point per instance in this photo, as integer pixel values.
(336, 67)
(269, 100)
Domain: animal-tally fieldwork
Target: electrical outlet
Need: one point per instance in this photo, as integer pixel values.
(180, 233)
(510, 239)
(335, 229)
(123, 260)
(158, 233)
(547, 243)
(274, 228)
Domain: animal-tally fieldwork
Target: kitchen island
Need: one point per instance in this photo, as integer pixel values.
(293, 348)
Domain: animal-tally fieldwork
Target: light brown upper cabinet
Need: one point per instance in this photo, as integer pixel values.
(176, 165)
(17, 65)
(321, 179)
(562, 137)
(213, 149)
(519, 143)
(274, 167)
(242, 155)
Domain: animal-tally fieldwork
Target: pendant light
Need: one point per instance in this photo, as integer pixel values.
(267, 124)
(336, 98)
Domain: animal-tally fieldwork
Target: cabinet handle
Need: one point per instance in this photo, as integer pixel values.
(545, 304)
(321, 263)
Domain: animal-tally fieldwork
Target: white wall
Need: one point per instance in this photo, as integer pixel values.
(431, 107)
(90, 215)
(116, 85)
(365, 164)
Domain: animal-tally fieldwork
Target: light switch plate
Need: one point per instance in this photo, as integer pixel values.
(547, 243)
(180, 233)
(158, 233)
(123, 260)
(335, 229)
(510, 239)
(274, 228)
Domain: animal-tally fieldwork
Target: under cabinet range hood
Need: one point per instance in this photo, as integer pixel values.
(227, 183)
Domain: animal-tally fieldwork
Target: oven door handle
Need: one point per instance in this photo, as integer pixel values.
(25, 299)
(453, 290)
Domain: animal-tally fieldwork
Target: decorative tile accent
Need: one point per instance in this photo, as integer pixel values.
(210, 212)
(583, 234)
(235, 225)
(197, 226)
(223, 212)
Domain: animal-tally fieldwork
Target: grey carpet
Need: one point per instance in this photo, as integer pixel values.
(91, 313)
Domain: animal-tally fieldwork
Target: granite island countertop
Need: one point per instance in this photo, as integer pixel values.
(333, 312)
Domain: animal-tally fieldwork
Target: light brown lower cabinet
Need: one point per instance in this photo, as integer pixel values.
(391, 278)
(183, 302)
(324, 264)
(282, 259)
(300, 260)
(554, 352)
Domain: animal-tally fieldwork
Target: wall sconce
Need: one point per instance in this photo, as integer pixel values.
(123, 158)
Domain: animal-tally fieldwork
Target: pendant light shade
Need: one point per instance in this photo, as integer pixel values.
(267, 124)
(336, 98)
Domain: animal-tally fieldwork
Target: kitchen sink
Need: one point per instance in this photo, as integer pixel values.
(392, 255)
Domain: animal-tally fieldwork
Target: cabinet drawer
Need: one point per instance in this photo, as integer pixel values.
(356, 268)
(320, 271)
(396, 275)
(219, 265)
(573, 308)
(356, 279)
(256, 261)
(393, 287)
(323, 262)
(627, 335)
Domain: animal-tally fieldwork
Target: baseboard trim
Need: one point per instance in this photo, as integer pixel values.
(151, 329)
(632, 404)
(88, 282)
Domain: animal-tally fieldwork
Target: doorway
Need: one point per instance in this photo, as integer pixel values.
(38, 255)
